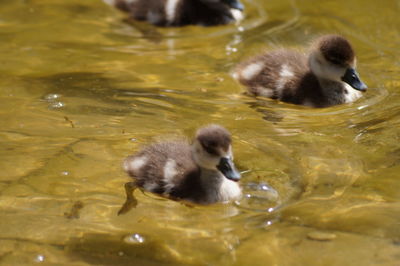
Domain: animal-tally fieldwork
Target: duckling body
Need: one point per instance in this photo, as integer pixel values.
(201, 173)
(324, 77)
(181, 12)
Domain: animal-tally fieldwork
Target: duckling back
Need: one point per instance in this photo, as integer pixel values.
(280, 74)
(161, 167)
(180, 12)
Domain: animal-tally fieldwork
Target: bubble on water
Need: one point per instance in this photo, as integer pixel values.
(263, 190)
(57, 105)
(232, 49)
(134, 239)
(54, 100)
(51, 96)
(231, 46)
(259, 196)
(39, 258)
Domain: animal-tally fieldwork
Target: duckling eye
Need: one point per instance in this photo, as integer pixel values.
(353, 77)
(335, 61)
(212, 143)
(210, 149)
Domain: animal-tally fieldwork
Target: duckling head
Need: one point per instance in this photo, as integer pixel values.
(333, 58)
(212, 150)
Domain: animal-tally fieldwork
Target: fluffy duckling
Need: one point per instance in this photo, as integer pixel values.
(182, 12)
(326, 77)
(201, 173)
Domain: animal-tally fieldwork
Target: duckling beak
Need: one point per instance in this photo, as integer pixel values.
(228, 169)
(352, 78)
(235, 4)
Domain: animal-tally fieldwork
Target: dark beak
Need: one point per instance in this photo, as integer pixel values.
(236, 4)
(352, 78)
(228, 169)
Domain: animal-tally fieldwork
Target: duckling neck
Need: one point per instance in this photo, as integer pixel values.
(333, 91)
(210, 178)
(217, 187)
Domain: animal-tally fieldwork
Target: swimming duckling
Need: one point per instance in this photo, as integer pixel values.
(327, 76)
(201, 173)
(182, 12)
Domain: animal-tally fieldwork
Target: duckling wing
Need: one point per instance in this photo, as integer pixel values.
(161, 167)
(275, 74)
(153, 11)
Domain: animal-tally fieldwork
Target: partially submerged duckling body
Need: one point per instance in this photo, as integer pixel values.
(182, 12)
(325, 77)
(201, 173)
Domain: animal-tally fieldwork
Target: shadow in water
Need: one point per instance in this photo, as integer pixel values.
(106, 249)
(265, 109)
(148, 31)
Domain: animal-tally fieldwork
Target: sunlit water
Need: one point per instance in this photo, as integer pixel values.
(80, 89)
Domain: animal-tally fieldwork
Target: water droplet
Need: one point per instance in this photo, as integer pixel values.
(39, 258)
(134, 239)
(65, 173)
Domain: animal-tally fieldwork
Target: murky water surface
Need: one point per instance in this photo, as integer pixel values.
(80, 89)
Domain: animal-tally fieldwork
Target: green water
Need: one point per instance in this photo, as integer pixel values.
(80, 90)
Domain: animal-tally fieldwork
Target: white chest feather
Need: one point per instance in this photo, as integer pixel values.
(237, 14)
(352, 94)
(170, 10)
(229, 190)
(218, 188)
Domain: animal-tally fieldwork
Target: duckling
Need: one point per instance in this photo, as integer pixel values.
(182, 12)
(326, 76)
(201, 173)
